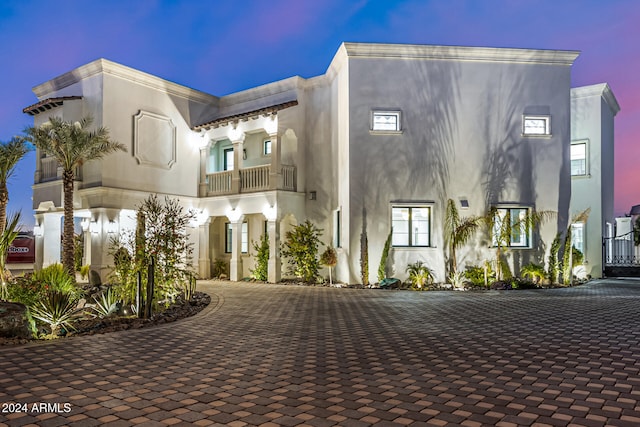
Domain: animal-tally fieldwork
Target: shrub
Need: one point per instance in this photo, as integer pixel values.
(382, 268)
(55, 278)
(420, 276)
(329, 258)
(261, 272)
(301, 247)
(219, 267)
(107, 304)
(458, 280)
(57, 309)
(476, 275)
(532, 271)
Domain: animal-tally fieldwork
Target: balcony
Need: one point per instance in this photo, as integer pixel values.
(251, 180)
(50, 170)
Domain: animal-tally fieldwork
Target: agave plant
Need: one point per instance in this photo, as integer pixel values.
(420, 275)
(457, 280)
(532, 271)
(57, 309)
(107, 305)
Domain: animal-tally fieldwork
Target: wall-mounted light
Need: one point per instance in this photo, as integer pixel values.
(244, 154)
(112, 227)
(313, 195)
(234, 215)
(270, 213)
(235, 134)
(93, 227)
(271, 125)
(84, 224)
(38, 230)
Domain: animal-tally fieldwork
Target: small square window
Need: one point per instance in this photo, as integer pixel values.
(266, 147)
(536, 125)
(578, 159)
(385, 121)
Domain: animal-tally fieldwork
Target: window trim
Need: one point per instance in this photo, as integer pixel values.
(337, 228)
(547, 127)
(586, 158)
(528, 235)
(264, 147)
(386, 112)
(411, 206)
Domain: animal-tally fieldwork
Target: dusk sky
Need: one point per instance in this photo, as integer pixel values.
(222, 47)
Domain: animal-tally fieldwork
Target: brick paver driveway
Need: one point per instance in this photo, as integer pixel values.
(286, 355)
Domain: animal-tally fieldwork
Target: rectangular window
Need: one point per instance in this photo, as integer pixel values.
(244, 238)
(228, 159)
(578, 159)
(228, 238)
(577, 236)
(385, 121)
(337, 229)
(266, 147)
(536, 125)
(510, 227)
(411, 225)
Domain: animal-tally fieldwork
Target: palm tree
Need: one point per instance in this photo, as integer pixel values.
(71, 144)
(7, 236)
(457, 232)
(10, 154)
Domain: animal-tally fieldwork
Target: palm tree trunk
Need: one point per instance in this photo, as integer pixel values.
(4, 201)
(68, 229)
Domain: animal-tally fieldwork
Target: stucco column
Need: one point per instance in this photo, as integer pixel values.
(275, 171)
(204, 261)
(202, 190)
(51, 238)
(275, 263)
(238, 148)
(235, 265)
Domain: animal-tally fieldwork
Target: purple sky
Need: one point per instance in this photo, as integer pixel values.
(226, 46)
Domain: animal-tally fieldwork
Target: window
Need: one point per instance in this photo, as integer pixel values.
(266, 147)
(510, 227)
(410, 225)
(577, 236)
(337, 229)
(536, 126)
(385, 121)
(228, 159)
(578, 159)
(228, 238)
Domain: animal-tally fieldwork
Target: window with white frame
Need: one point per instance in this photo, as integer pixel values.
(510, 227)
(577, 236)
(266, 147)
(337, 228)
(578, 158)
(385, 121)
(536, 125)
(411, 225)
(244, 237)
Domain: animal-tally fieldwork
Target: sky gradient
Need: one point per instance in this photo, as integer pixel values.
(222, 47)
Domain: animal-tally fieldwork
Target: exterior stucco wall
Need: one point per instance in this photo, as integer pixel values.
(461, 137)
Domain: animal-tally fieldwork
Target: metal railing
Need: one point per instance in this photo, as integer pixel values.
(621, 250)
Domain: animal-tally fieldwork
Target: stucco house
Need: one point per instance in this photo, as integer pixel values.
(378, 142)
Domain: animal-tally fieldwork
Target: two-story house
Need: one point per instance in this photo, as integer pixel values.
(376, 144)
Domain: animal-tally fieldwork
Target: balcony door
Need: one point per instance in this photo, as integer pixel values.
(228, 159)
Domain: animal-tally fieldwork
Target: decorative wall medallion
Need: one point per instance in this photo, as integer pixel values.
(154, 140)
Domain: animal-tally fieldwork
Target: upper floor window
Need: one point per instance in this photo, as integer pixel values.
(385, 121)
(578, 159)
(511, 228)
(266, 147)
(411, 225)
(536, 125)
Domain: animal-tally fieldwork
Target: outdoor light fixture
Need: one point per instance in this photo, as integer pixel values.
(37, 230)
(93, 227)
(244, 154)
(112, 227)
(234, 215)
(84, 224)
(271, 125)
(235, 134)
(270, 212)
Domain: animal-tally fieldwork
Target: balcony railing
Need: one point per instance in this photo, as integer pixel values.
(253, 179)
(50, 170)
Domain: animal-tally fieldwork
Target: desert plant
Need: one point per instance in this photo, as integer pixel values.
(219, 267)
(534, 272)
(553, 265)
(458, 280)
(329, 258)
(57, 309)
(107, 304)
(420, 276)
(301, 248)
(480, 276)
(457, 232)
(84, 271)
(382, 268)
(71, 144)
(55, 278)
(261, 272)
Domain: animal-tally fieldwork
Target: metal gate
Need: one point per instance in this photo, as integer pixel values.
(621, 256)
